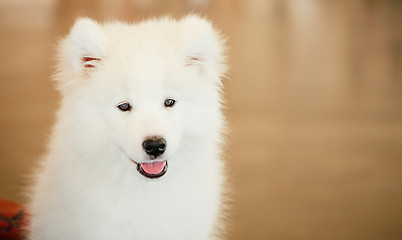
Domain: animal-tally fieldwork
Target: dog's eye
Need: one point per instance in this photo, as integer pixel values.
(124, 106)
(169, 102)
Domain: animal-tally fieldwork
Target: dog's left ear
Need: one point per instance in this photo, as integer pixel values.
(84, 47)
(205, 47)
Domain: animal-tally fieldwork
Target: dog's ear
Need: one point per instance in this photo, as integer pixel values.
(84, 47)
(205, 47)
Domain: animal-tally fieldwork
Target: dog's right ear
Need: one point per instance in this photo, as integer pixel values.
(204, 47)
(84, 47)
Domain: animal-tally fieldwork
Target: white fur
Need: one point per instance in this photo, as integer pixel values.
(87, 187)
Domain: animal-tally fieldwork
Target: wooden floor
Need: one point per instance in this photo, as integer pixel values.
(314, 100)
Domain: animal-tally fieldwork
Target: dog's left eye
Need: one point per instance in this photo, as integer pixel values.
(124, 106)
(169, 102)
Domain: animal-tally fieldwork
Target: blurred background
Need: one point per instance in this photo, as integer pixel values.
(314, 101)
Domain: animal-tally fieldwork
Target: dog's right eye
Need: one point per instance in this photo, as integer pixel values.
(124, 106)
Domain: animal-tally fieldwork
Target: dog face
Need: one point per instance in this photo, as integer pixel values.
(147, 90)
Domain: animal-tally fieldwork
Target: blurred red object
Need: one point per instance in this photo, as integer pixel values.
(12, 219)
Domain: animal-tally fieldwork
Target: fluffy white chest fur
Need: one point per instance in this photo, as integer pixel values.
(135, 151)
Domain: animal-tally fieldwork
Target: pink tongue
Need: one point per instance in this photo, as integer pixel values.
(153, 167)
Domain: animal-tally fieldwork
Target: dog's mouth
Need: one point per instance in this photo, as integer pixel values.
(154, 169)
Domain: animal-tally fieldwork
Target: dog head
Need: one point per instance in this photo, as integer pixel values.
(149, 91)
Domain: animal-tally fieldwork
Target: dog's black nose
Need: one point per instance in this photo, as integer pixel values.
(154, 146)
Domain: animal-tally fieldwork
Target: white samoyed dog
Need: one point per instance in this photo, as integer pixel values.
(135, 152)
